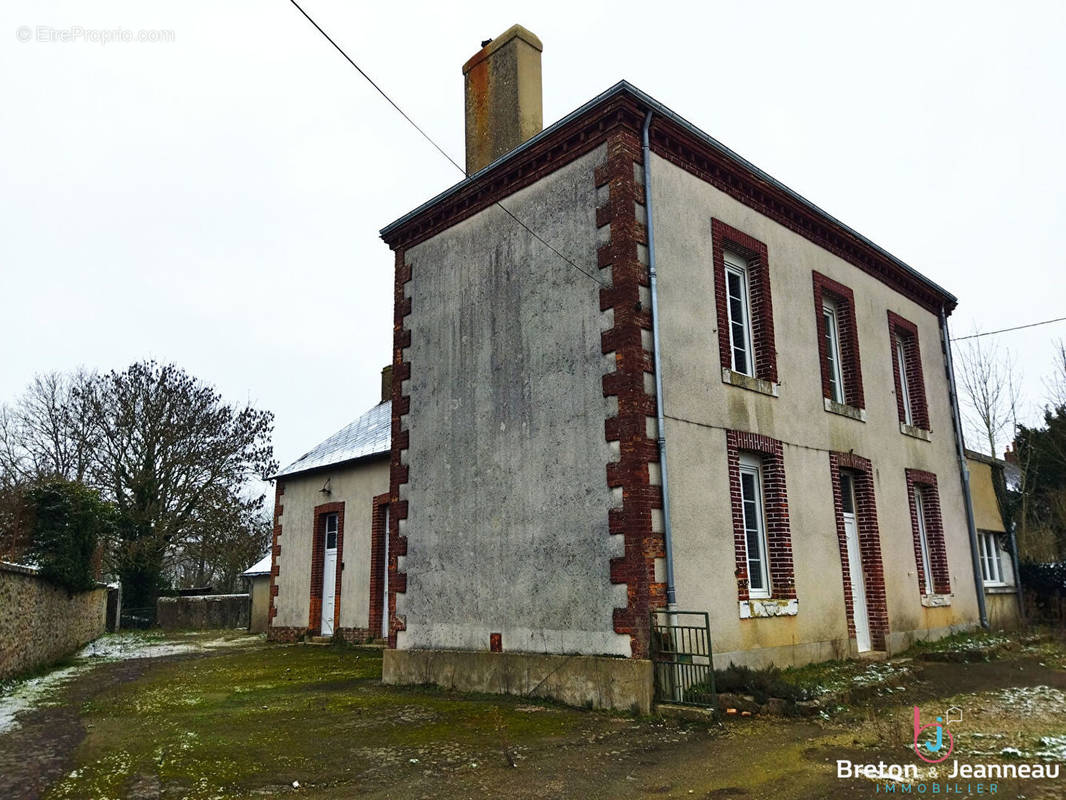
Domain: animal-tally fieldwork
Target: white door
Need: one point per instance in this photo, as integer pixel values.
(329, 575)
(858, 582)
(385, 583)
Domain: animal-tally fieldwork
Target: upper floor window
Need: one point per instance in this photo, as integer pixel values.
(745, 311)
(907, 373)
(838, 345)
(832, 351)
(739, 307)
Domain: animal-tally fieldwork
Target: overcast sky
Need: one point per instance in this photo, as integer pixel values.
(214, 200)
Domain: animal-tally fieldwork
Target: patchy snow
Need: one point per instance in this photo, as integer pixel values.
(1053, 748)
(25, 695)
(1031, 700)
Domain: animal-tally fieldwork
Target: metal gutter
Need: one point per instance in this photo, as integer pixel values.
(671, 594)
(650, 103)
(964, 471)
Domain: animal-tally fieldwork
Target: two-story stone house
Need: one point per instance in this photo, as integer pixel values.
(615, 287)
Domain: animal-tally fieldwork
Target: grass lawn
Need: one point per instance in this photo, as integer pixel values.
(237, 718)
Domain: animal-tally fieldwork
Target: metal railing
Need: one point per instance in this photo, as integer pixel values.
(682, 658)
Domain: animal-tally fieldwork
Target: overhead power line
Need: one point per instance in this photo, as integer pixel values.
(440, 149)
(1008, 330)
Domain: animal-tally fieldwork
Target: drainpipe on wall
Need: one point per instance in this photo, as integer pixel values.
(964, 471)
(671, 594)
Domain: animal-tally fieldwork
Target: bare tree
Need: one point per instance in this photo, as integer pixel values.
(1056, 385)
(42, 434)
(989, 392)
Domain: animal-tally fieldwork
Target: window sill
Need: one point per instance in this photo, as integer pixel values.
(1000, 588)
(768, 608)
(917, 433)
(851, 412)
(936, 600)
(748, 382)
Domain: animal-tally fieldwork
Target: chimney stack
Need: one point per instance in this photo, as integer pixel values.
(386, 384)
(503, 96)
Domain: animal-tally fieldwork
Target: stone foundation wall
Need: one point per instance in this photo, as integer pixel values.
(622, 684)
(40, 622)
(203, 612)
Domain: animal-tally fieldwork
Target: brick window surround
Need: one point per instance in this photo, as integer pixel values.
(826, 288)
(377, 563)
(925, 483)
(723, 238)
(318, 555)
(869, 544)
(775, 507)
(907, 332)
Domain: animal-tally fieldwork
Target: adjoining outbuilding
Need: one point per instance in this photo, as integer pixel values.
(328, 574)
(257, 579)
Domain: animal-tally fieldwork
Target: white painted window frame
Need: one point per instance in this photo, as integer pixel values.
(923, 542)
(904, 384)
(738, 266)
(991, 564)
(831, 317)
(752, 465)
(333, 517)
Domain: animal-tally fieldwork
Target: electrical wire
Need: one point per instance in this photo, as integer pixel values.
(1008, 330)
(440, 149)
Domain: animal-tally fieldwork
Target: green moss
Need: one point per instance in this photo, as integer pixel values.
(235, 722)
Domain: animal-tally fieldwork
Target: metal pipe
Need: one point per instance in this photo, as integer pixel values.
(964, 471)
(671, 594)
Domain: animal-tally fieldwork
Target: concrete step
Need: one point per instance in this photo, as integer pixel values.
(321, 640)
(873, 655)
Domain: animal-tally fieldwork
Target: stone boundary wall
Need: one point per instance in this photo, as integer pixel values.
(203, 612)
(40, 622)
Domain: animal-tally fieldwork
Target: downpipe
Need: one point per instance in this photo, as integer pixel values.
(964, 471)
(671, 594)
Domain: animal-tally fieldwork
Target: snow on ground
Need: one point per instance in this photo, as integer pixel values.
(39, 692)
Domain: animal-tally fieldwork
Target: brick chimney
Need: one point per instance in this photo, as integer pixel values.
(386, 383)
(503, 96)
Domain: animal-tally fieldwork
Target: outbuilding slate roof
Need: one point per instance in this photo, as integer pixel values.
(260, 567)
(369, 435)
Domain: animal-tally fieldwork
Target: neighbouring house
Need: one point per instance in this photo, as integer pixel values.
(810, 499)
(995, 537)
(257, 579)
(327, 575)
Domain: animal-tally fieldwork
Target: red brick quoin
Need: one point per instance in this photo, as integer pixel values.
(919, 481)
(869, 544)
(398, 471)
(850, 367)
(725, 237)
(908, 333)
(621, 267)
(775, 504)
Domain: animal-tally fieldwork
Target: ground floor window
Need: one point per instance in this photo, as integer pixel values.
(991, 566)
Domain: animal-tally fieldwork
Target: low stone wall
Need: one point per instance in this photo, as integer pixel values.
(203, 612)
(624, 684)
(40, 622)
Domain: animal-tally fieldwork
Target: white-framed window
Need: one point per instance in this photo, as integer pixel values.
(923, 541)
(331, 531)
(904, 385)
(751, 496)
(738, 302)
(832, 351)
(991, 566)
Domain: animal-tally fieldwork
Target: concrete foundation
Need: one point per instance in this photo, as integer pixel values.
(624, 684)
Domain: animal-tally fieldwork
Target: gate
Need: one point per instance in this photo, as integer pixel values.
(681, 657)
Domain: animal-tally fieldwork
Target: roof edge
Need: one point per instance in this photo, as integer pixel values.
(391, 232)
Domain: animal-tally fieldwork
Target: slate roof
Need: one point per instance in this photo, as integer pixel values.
(369, 435)
(260, 567)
